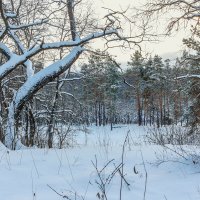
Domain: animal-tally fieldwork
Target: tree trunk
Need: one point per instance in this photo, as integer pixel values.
(32, 128)
(2, 110)
(31, 86)
(96, 114)
(99, 113)
(51, 121)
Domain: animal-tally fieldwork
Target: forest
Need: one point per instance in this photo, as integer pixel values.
(149, 92)
(68, 104)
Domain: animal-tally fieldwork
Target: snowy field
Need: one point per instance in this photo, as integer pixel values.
(150, 172)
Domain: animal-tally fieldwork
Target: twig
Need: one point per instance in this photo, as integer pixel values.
(34, 164)
(122, 170)
(146, 176)
(63, 196)
(122, 176)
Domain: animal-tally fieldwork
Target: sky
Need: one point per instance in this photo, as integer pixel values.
(168, 47)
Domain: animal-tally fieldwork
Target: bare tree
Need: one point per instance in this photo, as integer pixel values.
(179, 13)
(31, 27)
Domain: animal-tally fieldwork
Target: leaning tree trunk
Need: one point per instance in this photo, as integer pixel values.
(30, 87)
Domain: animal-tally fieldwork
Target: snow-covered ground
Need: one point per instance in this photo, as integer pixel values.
(39, 174)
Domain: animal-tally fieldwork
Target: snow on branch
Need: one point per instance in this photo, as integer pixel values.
(43, 76)
(23, 26)
(20, 59)
(10, 15)
(28, 64)
(5, 50)
(189, 76)
(72, 79)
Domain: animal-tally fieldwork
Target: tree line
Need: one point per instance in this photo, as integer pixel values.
(149, 92)
(40, 40)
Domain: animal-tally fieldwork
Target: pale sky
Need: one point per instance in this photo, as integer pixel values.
(168, 47)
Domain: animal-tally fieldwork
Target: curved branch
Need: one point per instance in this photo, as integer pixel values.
(16, 60)
(46, 75)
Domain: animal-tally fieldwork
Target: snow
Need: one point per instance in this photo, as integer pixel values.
(28, 63)
(33, 84)
(36, 81)
(31, 173)
(44, 73)
(37, 22)
(10, 15)
(15, 59)
(5, 49)
(189, 76)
